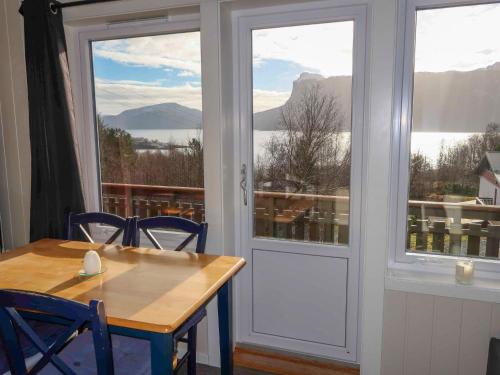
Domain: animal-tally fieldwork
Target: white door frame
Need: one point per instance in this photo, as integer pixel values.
(243, 22)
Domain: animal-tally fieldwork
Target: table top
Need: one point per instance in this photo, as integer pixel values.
(147, 289)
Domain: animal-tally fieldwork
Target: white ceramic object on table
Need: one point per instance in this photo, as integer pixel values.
(92, 263)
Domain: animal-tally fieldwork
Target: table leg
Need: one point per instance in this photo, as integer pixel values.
(162, 348)
(224, 304)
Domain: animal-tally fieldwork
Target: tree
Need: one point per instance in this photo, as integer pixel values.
(455, 172)
(311, 153)
(175, 165)
(116, 152)
(420, 176)
(195, 161)
(457, 164)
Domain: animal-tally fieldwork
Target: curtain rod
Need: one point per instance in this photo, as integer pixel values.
(58, 5)
(55, 5)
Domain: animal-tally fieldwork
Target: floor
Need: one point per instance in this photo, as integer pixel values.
(260, 361)
(206, 370)
(277, 365)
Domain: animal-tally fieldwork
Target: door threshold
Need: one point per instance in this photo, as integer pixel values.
(286, 363)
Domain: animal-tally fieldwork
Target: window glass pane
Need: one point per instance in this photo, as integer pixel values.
(148, 104)
(302, 132)
(454, 192)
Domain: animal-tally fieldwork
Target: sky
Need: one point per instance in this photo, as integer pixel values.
(135, 72)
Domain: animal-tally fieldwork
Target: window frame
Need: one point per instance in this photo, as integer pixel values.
(84, 98)
(399, 258)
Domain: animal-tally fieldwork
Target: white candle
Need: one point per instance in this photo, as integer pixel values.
(464, 271)
(91, 263)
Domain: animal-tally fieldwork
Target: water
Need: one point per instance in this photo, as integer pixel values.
(428, 143)
(177, 136)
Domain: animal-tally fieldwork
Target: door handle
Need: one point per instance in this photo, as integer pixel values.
(243, 183)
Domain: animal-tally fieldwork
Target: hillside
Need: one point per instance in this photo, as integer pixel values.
(450, 99)
(468, 100)
(340, 87)
(159, 116)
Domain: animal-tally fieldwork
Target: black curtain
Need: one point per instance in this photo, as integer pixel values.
(55, 178)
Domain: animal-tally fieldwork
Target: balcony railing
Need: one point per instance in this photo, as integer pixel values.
(449, 228)
(454, 228)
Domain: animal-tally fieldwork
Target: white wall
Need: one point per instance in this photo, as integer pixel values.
(431, 335)
(487, 189)
(14, 144)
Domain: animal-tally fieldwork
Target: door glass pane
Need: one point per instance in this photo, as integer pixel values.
(302, 77)
(454, 200)
(148, 104)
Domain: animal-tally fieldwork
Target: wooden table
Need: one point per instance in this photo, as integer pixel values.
(147, 293)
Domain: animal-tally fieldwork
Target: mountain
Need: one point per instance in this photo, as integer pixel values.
(159, 116)
(445, 102)
(457, 101)
(339, 87)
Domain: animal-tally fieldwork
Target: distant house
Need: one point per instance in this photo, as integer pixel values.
(489, 178)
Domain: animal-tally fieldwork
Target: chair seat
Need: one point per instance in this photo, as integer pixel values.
(131, 356)
(191, 322)
(49, 332)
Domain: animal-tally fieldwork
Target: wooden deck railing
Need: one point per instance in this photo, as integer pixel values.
(453, 228)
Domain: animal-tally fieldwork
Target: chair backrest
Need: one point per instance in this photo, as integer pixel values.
(171, 222)
(78, 314)
(78, 222)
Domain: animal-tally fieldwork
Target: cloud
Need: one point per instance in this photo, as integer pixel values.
(457, 38)
(186, 73)
(178, 51)
(113, 97)
(265, 99)
(103, 81)
(320, 48)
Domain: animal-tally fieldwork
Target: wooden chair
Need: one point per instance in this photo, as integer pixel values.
(78, 314)
(171, 222)
(77, 222)
(92, 352)
(195, 230)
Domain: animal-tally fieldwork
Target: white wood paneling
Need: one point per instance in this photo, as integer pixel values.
(495, 321)
(14, 204)
(393, 342)
(419, 321)
(475, 334)
(446, 336)
(425, 334)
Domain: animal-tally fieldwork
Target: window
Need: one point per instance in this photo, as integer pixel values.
(302, 97)
(451, 99)
(149, 125)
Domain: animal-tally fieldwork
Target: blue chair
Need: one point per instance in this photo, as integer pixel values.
(92, 352)
(171, 222)
(77, 222)
(195, 230)
(12, 324)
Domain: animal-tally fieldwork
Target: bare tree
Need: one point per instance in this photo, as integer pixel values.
(456, 170)
(312, 154)
(420, 176)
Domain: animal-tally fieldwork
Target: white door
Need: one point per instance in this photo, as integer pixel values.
(300, 84)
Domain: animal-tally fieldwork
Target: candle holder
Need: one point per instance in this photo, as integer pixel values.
(464, 272)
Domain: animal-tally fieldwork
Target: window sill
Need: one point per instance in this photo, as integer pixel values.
(444, 285)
